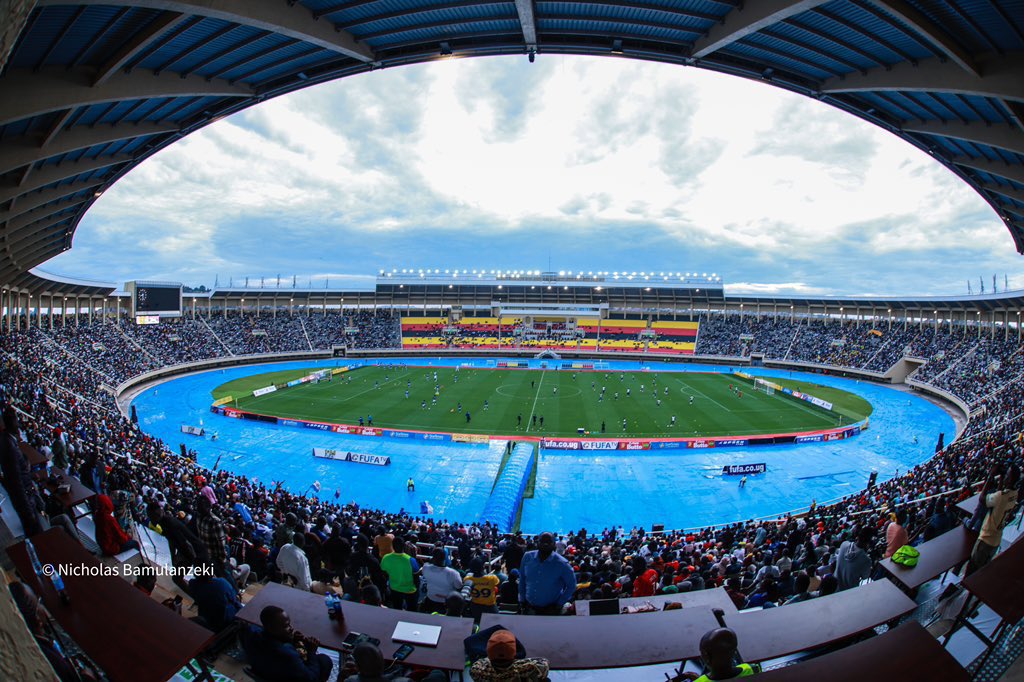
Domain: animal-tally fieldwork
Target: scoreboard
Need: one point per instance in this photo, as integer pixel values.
(155, 298)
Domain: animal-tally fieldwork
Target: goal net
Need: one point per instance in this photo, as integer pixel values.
(766, 386)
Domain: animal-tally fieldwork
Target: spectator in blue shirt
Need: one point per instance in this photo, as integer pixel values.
(546, 580)
(216, 601)
(276, 652)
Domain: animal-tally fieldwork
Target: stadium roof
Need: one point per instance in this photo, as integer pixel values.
(90, 89)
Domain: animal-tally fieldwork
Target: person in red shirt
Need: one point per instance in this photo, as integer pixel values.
(109, 535)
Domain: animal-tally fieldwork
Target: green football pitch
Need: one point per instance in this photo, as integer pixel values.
(547, 402)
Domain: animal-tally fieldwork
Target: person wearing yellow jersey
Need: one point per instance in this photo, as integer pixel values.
(718, 652)
(483, 589)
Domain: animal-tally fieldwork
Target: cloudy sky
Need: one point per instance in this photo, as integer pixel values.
(583, 163)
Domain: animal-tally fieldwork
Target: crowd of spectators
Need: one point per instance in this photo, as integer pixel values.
(250, 529)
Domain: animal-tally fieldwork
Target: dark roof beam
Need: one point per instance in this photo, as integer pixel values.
(822, 35)
(98, 37)
(830, 56)
(48, 175)
(225, 52)
(26, 151)
(337, 7)
(412, 11)
(1001, 190)
(1015, 110)
(435, 24)
(1000, 78)
(650, 7)
(26, 219)
(30, 94)
(781, 54)
(178, 109)
(216, 35)
(252, 58)
(130, 110)
(289, 19)
(154, 43)
(55, 127)
(854, 28)
(14, 238)
(967, 103)
(68, 25)
(748, 19)
(139, 43)
(993, 135)
(276, 64)
(935, 36)
(28, 202)
(969, 20)
(998, 9)
(916, 99)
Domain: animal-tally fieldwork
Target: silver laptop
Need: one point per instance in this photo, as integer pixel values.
(417, 633)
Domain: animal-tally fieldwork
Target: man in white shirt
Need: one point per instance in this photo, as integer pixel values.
(441, 581)
(292, 561)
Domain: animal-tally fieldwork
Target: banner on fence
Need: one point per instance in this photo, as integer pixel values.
(744, 469)
(354, 457)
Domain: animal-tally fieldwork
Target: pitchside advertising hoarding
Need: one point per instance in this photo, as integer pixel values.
(744, 469)
(354, 457)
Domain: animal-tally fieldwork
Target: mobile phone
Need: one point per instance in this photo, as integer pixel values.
(403, 652)
(351, 639)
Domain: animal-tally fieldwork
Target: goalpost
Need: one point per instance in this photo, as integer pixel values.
(766, 386)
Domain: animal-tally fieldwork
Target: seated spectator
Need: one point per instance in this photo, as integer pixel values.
(802, 584)
(829, 585)
(852, 563)
(509, 590)
(35, 618)
(292, 562)
(895, 533)
(109, 535)
(483, 593)
(501, 663)
(718, 652)
(369, 663)
(215, 598)
(276, 652)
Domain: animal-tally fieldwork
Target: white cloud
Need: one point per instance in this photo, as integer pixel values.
(683, 166)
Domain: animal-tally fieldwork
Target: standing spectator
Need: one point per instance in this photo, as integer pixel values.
(186, 549)
(547, 580)
(999, 504)
(60, 452)
(18, 478)
(440, 580)
(212, 533)
(401, 570)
